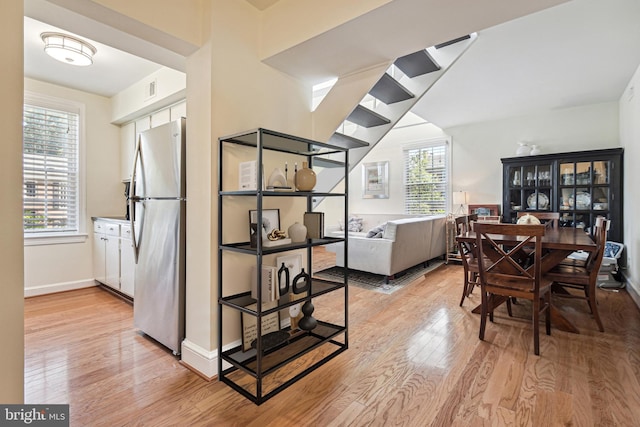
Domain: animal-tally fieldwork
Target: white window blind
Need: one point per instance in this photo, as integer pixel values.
(50, 170)
(426, 177)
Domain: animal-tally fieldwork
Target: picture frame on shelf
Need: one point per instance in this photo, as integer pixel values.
(486, 212)
(375, 180)
(270, 219)
(249, 324)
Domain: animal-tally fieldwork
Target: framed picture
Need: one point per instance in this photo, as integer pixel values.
(270, 219)
(249, 324)
(486, 213)
(375, 180)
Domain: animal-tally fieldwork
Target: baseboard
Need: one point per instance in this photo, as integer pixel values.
(632, 289)
(202, 361)
(58, 287)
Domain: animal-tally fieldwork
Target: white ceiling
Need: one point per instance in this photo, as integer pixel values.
(577, 53)
(112, 70)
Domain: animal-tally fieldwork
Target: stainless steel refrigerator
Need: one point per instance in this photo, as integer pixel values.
(157, 206)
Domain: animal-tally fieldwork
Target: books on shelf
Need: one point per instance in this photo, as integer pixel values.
(269, 283)
(248, 175)
(314, 221)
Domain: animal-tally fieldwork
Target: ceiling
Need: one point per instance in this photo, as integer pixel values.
(579, 52)
(111, 72)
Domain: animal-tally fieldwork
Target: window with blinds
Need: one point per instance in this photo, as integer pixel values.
(426, 175)
(50, 170)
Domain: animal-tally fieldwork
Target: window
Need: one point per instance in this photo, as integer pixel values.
(426, 178)
(51, 167)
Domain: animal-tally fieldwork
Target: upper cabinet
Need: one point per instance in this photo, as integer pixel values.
(127, 148)
(580, 185)
(130, 131)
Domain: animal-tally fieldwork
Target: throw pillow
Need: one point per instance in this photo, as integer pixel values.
(355, 224)
(376, 232)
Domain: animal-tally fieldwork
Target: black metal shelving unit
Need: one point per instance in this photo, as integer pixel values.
(248, 371)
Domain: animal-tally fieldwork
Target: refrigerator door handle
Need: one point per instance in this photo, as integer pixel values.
(132, 202)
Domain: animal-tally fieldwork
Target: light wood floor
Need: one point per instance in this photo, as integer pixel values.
(414, 360)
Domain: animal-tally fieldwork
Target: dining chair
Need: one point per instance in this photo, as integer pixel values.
(550, 219)
(578, 259)
(585, 277)
(506, 278)
(468, 255)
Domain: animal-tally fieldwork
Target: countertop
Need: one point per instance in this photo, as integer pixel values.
(111, 218)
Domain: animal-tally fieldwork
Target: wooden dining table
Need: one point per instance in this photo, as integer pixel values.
(557, 244)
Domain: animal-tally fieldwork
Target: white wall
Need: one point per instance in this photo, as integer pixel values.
(630, 139)
(11, 257)
(478, 148)
(49, 268)
(132, 103)
(228, 91)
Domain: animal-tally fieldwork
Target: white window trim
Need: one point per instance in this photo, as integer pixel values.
(80, 236)
(424, 143)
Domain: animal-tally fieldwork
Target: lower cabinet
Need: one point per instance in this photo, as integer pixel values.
(127, 261)
(113, 259)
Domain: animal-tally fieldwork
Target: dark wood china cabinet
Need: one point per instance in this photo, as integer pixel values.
(581, 185)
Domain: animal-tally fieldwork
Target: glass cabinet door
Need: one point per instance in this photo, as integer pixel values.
(584, 192)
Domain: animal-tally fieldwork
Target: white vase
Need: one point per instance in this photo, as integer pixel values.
(523, 149)
(534, 150)
(297, 232)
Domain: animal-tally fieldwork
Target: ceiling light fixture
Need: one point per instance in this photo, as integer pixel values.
(68, 49)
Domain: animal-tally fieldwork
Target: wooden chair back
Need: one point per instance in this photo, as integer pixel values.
(468, 255)
(506, 277)
(550, 219)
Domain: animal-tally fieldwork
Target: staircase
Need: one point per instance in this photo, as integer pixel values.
(387, 101)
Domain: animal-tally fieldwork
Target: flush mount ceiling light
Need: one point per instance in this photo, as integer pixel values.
(68, 49)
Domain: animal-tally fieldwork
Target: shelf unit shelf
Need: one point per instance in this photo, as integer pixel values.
(262, 370)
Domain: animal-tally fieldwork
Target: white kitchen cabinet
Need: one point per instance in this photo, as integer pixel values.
(106, 241)
(99, 251)
(127, 150)
(160, 118)
(113, 259)
(178, 110)
(127, 261)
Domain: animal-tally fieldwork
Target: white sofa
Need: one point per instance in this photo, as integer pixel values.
(405, 242)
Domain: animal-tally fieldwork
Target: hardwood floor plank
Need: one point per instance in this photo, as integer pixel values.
(414, 359)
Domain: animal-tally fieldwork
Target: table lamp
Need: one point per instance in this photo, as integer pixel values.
(459, 200)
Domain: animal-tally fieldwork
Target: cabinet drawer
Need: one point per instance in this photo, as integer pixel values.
(125, 231)
(112, 229)
(98, 227)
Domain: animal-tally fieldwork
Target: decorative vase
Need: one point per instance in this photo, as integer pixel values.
(307, 322)
(297, 232)
(305, 178)
(523, 149)
(534, 150)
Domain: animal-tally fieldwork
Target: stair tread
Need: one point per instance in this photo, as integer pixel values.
(365, 117)
(389, 90)
(417, 64)
(341, 140)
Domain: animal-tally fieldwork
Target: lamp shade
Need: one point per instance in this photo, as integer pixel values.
(68, 49)
(460, 198)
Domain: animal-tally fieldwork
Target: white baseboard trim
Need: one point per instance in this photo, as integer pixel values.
(203, 361)
(58, 287)
(632, 289)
